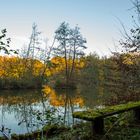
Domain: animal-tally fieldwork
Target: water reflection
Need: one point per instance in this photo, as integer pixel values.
(22, 107)
(65, 100)
(16, 106)
(94, 96)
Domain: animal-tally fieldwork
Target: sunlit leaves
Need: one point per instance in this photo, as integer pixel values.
(130, 58)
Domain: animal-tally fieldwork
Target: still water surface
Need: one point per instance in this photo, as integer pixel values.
(17, 106)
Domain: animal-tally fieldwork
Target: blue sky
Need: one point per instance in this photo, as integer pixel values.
(96, 18)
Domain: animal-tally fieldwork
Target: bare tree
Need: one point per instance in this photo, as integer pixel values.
(131, 40)
(34, 44)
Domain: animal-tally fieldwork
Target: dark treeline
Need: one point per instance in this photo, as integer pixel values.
(118, 76)
(64, 64)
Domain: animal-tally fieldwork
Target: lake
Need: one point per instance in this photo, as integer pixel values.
(19, 108)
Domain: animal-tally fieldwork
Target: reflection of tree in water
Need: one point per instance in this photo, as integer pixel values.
(25, 106)
(19, 103)
(67, 100)
(13, 97)
(93, 95)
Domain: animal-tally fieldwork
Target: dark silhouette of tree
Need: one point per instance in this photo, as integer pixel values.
(5, 43)
(131, 40)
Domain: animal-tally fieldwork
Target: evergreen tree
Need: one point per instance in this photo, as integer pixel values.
(70, 47)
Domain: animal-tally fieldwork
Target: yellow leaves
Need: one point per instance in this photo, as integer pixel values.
(59, 64)
(2, 72)
(16, 67)
(10, 67)
(58, 60)
(128, 61)
(48, 72)
(130, 58)
(37, 68)
(79, 64)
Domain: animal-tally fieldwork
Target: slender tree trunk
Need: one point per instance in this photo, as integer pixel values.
(45, 63)
(66, 63)
(73, 62)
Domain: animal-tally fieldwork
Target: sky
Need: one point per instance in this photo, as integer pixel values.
(97, 19)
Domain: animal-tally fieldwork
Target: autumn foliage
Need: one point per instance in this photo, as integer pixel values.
(16, 72)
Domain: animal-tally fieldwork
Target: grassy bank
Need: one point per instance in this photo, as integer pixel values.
(118, 127)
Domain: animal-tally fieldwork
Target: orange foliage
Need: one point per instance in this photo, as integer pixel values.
(59, 64)
(16, 67)
(131, 58)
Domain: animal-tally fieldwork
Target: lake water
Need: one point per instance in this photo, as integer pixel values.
(18, 108)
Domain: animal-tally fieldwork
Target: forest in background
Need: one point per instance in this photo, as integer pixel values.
(118, 74)
(65, 65)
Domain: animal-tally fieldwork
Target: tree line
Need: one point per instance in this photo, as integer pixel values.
(64, 64)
